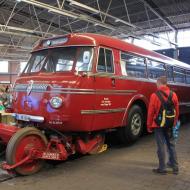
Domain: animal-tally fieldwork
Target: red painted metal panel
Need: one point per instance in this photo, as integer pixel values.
(6, 132)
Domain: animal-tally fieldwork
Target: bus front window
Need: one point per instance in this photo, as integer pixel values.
(60, 60)
(63, 58)
(36, 62)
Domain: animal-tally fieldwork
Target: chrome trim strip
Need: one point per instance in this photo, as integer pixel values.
(102, 111)
(92, 90)
(25, 117)
(187, 104)
(77, 91)
(72, 89)
(23, 87)
(85, 93)
(122, 77)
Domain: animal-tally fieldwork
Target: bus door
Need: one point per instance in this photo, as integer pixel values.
(106, 109)
(85, 95)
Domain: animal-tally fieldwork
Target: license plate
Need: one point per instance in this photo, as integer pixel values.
(50, 156)
(23, 117)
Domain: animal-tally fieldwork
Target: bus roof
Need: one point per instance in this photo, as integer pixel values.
(89, 39)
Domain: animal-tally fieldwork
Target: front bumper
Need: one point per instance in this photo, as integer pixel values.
(28, 118)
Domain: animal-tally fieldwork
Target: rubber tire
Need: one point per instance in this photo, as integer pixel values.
(125, 135)
(2, 149)
(12, 145)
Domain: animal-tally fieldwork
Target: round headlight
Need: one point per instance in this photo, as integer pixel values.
(56, 102)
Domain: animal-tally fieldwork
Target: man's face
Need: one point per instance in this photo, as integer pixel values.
(1, 93)
(158, 84)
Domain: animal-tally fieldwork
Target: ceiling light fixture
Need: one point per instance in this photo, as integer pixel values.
(50, 8)
(75, 3)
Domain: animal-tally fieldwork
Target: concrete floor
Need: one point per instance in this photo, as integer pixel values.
(119, 168)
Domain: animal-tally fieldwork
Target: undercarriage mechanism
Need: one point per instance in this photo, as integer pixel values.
(27, 148)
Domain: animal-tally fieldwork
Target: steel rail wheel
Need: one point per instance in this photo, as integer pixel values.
(20, 144)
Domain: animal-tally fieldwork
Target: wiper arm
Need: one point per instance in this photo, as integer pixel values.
(40, 62)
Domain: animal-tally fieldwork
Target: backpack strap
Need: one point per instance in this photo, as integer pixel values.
(159, 95)
(161, 114)
(162, 92)
(170, 96)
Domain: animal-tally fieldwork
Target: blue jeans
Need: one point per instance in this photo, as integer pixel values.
(163, 137)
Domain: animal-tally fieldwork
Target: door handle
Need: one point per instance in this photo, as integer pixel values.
(113, 81)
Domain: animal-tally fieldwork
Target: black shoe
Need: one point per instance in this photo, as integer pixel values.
(159, 171)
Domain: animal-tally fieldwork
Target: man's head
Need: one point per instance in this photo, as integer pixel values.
(161, 81)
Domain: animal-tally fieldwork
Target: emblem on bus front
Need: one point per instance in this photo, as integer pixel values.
(29, 88)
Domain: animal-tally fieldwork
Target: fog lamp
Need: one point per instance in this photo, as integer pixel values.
(56, 102)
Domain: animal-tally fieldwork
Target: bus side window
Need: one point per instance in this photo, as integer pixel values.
(155, 69)
(123, 67)
(133, 66)
(105, 61)
(170, 76)
(101, 61)
(179, 75)
(109, 61)
(188, 77)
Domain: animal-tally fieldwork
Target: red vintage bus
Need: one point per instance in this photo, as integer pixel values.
(79, 86)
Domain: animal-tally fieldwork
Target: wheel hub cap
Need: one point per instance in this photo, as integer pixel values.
(136, 124)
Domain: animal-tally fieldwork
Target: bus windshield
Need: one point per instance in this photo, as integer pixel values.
(60, 59)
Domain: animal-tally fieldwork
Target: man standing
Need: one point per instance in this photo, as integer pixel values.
(163, 134)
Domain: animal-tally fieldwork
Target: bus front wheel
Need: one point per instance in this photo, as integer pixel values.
(134, 126)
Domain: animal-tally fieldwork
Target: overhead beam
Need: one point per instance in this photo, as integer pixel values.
(67, 13)
(28, 16)
(50, 8)
(89, 19)
(60, 11)
(93, 10)
(25, 30)
(15, 55)
(155, 9)
(19, 34)
(16, 47)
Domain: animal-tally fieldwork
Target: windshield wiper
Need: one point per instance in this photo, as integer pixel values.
(40, 63)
